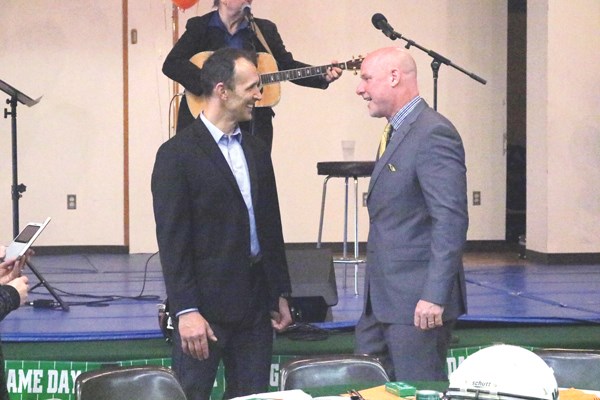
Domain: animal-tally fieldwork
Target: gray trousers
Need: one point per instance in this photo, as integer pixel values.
(406, 352)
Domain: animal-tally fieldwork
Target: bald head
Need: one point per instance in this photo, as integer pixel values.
(394, 57)
(388, 80)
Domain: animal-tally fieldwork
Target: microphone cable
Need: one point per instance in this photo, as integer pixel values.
(97, 300)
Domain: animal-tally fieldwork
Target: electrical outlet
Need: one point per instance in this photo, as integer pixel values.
(365, 195)
(71, 202)
(477, 198)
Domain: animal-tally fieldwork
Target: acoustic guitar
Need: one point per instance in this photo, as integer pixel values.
(270, 78)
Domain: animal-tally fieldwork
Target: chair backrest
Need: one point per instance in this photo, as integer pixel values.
(573, 368)
(128, 383)
(331, 370)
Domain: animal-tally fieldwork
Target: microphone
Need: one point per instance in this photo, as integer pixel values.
(247, 10)
(380, 22)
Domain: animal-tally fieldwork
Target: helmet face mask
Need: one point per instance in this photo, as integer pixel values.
(503, 372)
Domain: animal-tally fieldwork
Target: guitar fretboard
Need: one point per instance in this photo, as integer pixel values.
(299, 73)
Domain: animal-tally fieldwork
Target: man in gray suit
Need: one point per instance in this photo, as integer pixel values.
(417, 202)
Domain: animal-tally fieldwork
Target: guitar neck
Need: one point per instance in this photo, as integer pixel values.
(298, 73)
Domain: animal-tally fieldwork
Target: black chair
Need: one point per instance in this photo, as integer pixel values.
(331, 370)
(575, 368)
(128, 383)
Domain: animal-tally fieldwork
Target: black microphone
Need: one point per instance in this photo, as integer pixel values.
(247, 10)
(380, 22)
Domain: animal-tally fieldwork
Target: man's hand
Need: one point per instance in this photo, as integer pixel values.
(282, 319)
(428, 315)
(195, 333)
(13, 268)
(333, 73)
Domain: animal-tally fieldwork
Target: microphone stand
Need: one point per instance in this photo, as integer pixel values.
(436, 63)
(16, 97)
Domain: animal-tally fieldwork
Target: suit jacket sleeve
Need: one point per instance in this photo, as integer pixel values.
(177, 65)
(441, 173)
(9, 300)
(173, 215)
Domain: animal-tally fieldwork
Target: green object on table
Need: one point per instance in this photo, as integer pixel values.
(400, 389)
(428, 395)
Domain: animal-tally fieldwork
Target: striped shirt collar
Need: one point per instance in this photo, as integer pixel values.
(399, 117)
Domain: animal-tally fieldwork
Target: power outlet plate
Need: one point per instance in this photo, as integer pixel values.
(476, 198)
(71, 202)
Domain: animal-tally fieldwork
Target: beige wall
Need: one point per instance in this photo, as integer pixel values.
(72, 142)
(563, 127)
(69, 52)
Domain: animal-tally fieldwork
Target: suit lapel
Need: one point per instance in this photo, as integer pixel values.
(210, 149)
(395, 142)
(251, 162)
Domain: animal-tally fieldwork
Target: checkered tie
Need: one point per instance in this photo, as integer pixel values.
(385, 138)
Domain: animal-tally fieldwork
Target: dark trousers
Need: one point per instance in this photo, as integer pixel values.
(245, 348)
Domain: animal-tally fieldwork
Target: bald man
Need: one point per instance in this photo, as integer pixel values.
(417, 203)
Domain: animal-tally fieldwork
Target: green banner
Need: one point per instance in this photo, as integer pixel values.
(55, 380)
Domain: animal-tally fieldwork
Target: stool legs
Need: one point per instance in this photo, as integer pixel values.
(345, 243)
(344, 259)
(354, 260)
(322, 211)
(355, 236)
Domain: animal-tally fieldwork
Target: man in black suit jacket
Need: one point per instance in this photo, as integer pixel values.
(228, 27)
(220, 239)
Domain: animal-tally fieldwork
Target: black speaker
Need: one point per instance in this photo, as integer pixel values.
(314, 289)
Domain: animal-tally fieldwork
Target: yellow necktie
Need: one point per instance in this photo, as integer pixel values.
(385, 137)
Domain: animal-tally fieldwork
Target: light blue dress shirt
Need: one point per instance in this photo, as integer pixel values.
(231, 147)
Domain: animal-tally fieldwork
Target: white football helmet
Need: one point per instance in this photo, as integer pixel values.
(503, 372)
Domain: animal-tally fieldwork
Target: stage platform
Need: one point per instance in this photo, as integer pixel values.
(113, 318)
(115, 297)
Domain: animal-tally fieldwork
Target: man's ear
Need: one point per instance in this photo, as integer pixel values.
(395, 77)
(221, 91)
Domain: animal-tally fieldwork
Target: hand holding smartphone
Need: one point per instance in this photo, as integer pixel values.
(25, 239)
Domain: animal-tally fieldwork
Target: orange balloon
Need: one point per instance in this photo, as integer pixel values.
(184, 4)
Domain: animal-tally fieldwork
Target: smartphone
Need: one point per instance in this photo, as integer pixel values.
(25, 239)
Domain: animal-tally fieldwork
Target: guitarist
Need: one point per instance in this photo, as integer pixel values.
(228, 26)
